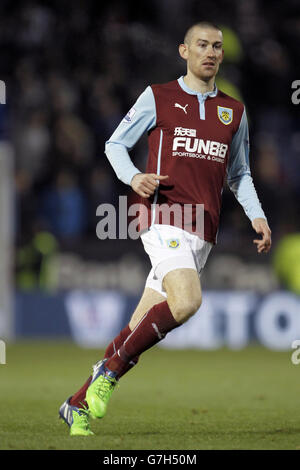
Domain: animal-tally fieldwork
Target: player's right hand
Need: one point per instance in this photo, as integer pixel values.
(145, 184)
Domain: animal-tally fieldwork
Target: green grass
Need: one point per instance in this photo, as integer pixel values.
(222, 399)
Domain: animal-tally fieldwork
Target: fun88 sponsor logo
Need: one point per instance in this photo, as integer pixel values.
(200, 146)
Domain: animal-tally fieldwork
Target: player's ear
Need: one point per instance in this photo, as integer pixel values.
(183, 51)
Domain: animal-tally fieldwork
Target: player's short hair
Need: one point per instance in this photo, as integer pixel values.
(200, 24)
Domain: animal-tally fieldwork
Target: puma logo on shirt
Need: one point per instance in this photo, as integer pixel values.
(177, 105)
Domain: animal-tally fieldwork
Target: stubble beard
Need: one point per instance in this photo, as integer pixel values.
(205, 77)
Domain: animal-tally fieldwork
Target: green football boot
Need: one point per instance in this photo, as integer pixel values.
(76, 418)
(100, 390)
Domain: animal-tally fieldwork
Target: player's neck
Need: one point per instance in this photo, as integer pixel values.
(198, 85)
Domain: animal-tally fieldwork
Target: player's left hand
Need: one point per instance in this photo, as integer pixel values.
(261, 227)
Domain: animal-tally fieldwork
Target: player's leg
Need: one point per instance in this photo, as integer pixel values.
(177, 272)
(183, 291)
(73, 410)
(149, 298)
(184, 294)
(78, 398)
(152, 328)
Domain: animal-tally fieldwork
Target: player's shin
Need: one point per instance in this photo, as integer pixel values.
(151, 329)
(116, 344)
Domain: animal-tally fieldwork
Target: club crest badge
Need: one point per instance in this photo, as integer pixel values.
(173, 242)
(225, 115)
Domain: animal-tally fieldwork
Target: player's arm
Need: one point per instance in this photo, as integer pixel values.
(241, 184)
(141, 118)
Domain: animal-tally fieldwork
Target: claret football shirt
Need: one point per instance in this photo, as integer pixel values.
(199, 141)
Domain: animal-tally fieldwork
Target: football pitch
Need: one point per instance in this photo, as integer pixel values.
(247, 399)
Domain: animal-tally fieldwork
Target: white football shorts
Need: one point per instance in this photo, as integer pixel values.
(172, 248)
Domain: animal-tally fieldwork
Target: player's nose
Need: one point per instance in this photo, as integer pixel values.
(211, 55)
(211, 52)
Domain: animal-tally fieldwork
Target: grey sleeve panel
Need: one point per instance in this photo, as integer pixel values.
(239, 175)
(140, 118)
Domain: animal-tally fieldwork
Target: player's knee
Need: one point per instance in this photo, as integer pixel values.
(183, 309)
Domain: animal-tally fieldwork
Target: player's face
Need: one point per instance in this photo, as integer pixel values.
(204, 53)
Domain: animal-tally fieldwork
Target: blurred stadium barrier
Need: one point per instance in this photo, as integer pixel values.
(232, 319)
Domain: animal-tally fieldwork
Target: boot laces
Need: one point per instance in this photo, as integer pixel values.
(105, 386)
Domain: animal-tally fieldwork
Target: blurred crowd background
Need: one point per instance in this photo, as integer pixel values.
(74, 68)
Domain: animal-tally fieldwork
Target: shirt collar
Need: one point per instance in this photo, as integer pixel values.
(188, 90)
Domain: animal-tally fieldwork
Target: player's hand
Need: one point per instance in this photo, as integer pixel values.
(145, 184)
(261, 227)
